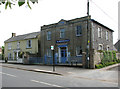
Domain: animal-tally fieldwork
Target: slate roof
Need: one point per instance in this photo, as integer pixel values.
(117, 45)
(23, 37)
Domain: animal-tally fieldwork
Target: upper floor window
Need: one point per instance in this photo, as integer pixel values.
(18, 45)
(78, 31)
(62, 33)
(78, 51)
(100, 47)
(49, 35)
(107, 35)
(99, 32)
(49, 53)
(29, 43)
(9, 45)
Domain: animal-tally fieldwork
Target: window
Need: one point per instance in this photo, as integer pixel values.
(18, 45)
(29, 43)
(9, 45)
(62, 33)
(49, 53)
(78, 31)
(99, 32)
(9, 56)
(49, 35)
(78, 51)
(108, 48)
(107, 35)
(100, 47)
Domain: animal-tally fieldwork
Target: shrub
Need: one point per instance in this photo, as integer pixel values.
(114, 56)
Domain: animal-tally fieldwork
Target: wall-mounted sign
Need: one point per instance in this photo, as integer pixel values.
(62, 41)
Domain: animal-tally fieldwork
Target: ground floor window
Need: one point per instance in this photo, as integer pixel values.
(49, 53)
(78, 51)
(108, 47)
(9, 56)
(100, 47)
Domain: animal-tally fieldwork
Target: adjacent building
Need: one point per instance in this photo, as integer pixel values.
(117, 45)
(70, 37)
(16, 46)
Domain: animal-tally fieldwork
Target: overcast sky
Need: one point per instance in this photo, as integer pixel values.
(21, 20)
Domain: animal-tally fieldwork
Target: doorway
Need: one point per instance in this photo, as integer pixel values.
(63, 54)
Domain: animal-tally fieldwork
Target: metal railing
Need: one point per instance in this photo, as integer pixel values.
(49, 60)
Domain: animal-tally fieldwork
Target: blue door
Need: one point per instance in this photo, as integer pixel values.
(63, 54)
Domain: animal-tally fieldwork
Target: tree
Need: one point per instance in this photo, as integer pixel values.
(2, 52)
(8, 3)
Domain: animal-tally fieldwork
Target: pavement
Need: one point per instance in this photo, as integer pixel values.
(103, 74)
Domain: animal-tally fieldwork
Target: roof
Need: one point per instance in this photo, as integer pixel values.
(74, 20)
(23, 37)
(117, 45)
(101, 24)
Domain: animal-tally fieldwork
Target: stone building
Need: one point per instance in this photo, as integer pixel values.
(117, 45)
(69, 38)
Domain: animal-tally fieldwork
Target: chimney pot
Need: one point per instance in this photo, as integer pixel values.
(13, 34)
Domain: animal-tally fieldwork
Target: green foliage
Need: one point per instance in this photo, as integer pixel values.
(3, 52)
(20, 54)
(114, 56)
(20, 2)
(109, 58)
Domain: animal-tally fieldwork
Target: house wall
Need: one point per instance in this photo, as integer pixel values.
(22, 47)
(96, 40)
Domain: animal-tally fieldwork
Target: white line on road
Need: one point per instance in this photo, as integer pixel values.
(8, 74)
(46, 83)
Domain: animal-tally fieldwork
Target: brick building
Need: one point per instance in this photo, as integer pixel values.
(69, 38)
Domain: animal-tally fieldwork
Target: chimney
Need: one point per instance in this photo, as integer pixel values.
(13, 34)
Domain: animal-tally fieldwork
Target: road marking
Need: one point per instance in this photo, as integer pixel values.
(46, 83)
(8, 74)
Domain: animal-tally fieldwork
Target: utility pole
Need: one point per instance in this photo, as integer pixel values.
(88, 36)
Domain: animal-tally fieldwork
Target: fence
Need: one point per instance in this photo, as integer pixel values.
(49, 60)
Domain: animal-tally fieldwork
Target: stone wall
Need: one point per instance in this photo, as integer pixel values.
(97, 57)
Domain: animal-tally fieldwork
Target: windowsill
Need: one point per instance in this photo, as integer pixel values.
(78, 35)
(49, 40)
(49, 56)
(79, 55)
(28, 47)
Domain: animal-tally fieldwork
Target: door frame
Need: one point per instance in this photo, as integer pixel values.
(59, 52)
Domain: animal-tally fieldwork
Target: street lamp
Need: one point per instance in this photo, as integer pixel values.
(52, 48)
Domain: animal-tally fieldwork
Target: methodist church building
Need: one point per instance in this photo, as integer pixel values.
(69, 38)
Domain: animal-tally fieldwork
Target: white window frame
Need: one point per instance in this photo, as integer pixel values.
(107, 35)
(48, 35)
(28, 44)
(78, 29)
(9, 46)
(62, 33)
(101, 46)
(80, 48)
(99, 32)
